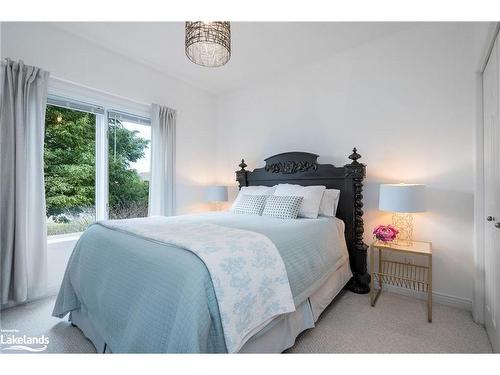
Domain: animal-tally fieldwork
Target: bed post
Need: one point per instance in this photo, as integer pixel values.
(241, 175)
(360, 281)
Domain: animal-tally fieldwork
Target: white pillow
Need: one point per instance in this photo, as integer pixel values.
(329, 203)
(311, 197)
(253, 190)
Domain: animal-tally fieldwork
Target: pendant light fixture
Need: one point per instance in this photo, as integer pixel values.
(208, 43)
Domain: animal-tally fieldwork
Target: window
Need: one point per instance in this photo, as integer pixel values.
(69, 167)
(70, 179)
(129, 164)
(97, 166)
(94, 169)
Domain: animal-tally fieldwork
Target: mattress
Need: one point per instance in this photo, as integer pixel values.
(276, 337)
(130, 288)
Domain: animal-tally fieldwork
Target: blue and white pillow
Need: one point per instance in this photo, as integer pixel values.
(282, 206)
(250, 204)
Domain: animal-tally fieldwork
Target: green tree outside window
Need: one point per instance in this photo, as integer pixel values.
(69, 157)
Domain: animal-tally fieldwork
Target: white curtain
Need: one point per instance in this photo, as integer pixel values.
(23, 242)
(162, 183)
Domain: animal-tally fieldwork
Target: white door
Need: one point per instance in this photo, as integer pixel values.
(491, 105)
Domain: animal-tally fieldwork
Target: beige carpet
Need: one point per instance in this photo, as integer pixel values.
(397, 324)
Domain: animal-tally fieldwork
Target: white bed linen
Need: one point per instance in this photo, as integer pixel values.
(311, 195)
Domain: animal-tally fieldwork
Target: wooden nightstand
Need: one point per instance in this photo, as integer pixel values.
(405, 275)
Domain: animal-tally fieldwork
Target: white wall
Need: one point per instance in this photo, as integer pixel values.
(407, 102)
(72, 58)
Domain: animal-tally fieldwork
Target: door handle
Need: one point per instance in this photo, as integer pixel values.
(490, 218)
(497, 224)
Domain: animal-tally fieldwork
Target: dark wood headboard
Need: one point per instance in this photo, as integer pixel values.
(302, 168)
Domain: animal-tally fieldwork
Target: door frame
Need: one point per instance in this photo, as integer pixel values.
(478, 300)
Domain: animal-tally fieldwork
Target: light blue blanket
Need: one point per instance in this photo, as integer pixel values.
(147, 297)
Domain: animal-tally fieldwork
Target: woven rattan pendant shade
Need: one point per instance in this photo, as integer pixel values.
(208, 43)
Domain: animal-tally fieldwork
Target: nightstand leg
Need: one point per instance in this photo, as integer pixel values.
(372, 281)
(376, 297)
(375, 293)
(379, 268)
(429, 291)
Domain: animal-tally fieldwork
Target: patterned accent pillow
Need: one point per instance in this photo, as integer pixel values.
(282, 207)
(250, 204)
(253, 190)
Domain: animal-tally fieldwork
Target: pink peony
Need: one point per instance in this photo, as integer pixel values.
(385, 233)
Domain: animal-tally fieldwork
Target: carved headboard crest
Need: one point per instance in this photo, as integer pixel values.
(293, 162)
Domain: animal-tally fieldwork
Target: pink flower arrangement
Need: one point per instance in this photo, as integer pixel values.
(385, 233)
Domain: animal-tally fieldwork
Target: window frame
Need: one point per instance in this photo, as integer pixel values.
(104, 104)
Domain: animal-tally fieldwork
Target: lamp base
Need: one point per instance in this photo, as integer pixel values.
(404, 223)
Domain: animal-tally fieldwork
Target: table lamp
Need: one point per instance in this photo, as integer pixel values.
(216, 194)
(402, 200)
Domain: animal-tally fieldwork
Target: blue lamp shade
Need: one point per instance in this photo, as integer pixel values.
(407, 198)
(216, 193)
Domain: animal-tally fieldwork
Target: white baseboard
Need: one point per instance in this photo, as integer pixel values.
(444, 299)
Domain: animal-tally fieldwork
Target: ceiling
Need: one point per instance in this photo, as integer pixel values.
(259, 49)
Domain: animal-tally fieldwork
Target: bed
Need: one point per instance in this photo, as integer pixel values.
(148, 285)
